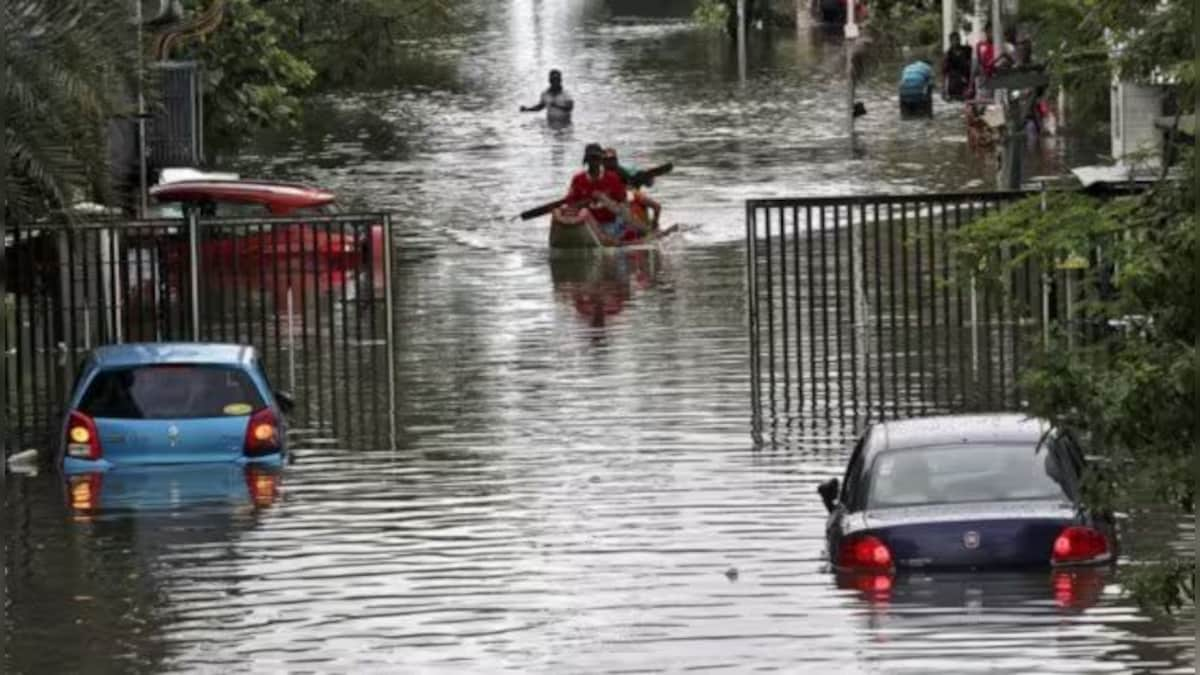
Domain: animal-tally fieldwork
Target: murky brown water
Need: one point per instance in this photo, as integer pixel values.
(573, 486)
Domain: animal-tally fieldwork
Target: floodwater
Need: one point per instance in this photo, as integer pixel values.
(572, 484)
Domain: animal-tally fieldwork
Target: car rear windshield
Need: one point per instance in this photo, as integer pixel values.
(957, 474)
(171, 391)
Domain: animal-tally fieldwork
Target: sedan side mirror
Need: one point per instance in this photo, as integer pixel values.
(829, 493)
(286, 403)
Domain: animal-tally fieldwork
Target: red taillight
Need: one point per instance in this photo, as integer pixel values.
(864, 553)
(1079, 544)
(83, 440)
(262, 433)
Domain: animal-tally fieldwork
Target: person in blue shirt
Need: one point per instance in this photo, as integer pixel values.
(916, 89)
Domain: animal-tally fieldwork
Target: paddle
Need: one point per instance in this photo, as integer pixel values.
(637, 180)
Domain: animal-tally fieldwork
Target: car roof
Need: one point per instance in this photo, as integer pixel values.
(275, 193)
(981, 429)
(153, 353)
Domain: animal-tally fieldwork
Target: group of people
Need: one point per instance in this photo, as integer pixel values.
(607, 196)
(967, 75)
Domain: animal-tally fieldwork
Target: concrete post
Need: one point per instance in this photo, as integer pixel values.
(947, 23)
(851, 39)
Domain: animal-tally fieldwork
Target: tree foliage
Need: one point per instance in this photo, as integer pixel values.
(1124, 374)
(266, 55)
(70, 67)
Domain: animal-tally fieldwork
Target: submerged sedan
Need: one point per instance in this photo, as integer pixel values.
(172, 403)
(963, 492)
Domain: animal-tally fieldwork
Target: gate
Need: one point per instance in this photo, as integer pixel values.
(857, 311)
(313, 297)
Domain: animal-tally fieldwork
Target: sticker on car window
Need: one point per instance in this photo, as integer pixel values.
(238, 409)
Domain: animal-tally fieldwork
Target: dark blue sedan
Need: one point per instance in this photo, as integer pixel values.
(963, 492)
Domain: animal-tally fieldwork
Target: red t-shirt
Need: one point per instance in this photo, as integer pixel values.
(987, 57)
(583, 187)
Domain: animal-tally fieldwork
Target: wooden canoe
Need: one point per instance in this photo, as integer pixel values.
(568, 232)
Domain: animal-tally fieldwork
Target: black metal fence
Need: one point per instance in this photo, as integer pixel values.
(175, 130)
(858, 310)
(313, 297)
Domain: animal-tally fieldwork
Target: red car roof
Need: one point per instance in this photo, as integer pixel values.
(277, 196)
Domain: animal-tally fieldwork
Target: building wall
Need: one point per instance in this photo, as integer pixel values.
(1134, 109)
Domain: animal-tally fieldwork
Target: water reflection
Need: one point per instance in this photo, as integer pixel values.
(1068, 590)
(599, 286)
(132, 490)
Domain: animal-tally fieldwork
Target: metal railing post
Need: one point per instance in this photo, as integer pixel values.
(193, 228)
(974, 330)
(390, 326)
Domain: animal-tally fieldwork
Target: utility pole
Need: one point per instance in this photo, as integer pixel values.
(851, 39)
(143, 178)
(741, 39)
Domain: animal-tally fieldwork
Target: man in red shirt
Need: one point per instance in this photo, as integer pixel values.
(600, 193)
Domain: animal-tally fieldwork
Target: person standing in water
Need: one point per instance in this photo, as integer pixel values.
(956, 70)
(916, 89)
(555, 101)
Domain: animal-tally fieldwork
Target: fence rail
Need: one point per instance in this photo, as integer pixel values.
(314, 297)
(858, 310)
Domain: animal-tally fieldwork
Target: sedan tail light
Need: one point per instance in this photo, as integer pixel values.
(262, 433)
(1079, 544)
(864, 552)
(83, 440)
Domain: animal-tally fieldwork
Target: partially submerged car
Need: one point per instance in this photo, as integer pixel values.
(172, 403)
(223, 195)
(963, 492)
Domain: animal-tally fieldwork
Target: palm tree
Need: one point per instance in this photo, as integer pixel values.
(70, 69)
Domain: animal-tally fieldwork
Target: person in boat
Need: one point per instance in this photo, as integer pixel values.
(916, 89)
(643, 210)
(555, 101)
(599, 195)
(612, 163)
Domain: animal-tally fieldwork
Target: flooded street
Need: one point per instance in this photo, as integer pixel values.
(572, 486)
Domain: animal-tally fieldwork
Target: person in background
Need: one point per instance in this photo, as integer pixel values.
(985, 63)
(555, 101)
(599, 194)
(916, 89)
(956, 69)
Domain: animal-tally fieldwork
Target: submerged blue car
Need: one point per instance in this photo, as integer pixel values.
(963, 492)
(172, 403)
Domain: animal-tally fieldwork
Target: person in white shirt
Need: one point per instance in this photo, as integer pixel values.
(555, 101)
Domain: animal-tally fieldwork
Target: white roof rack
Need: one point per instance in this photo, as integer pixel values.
(178, 174)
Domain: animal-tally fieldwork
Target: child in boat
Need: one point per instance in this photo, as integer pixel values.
(643, 211)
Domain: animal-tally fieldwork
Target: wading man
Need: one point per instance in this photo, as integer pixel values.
(555, 101)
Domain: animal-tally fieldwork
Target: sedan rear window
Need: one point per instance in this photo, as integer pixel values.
(958, 474)
(171, 392)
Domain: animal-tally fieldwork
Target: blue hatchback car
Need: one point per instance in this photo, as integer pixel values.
(172, 403)
(963, 492)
